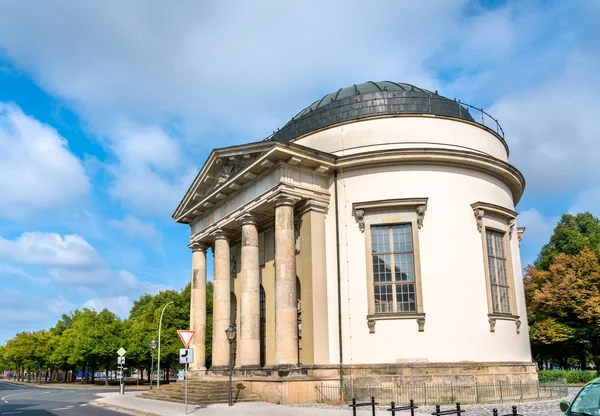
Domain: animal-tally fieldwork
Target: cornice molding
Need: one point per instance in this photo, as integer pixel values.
(504, 171)
(481, 209)
(418, 204)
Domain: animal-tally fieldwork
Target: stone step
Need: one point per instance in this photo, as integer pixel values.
(203, 391)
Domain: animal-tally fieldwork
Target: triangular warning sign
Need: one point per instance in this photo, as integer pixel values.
(186, 337)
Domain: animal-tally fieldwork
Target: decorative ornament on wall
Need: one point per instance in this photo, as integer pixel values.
(479, 218)
(360, 216)
(371, 325)
(421, 215)
(492, 324)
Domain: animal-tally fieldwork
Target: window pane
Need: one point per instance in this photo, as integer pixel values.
(380, 239)
(498, 246)
(495, 301)
(492, 270)
(404, 267)
(382, 268)
(489, 243)
(504, 303)
(383, 299)
(501, 269)
(405, 297)
(402, 237)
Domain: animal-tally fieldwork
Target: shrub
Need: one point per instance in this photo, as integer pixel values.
(572, 376)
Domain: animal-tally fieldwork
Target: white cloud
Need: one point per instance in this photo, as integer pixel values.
(245, 67)
(134, 227)
(151, 174)
(552, 127)
(38, 170)
(29, 312)
(50, 249)
(120, 305)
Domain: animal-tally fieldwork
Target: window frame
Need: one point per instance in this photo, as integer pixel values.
(387, 213)
(392, 254)
(494, 218)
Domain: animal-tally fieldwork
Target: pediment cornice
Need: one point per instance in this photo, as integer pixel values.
(230, 169)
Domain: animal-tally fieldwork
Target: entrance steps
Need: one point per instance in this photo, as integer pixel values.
(203, 390)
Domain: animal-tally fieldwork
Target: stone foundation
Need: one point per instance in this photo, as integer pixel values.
(299, 385)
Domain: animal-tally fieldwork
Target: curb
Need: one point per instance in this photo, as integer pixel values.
(123, 409)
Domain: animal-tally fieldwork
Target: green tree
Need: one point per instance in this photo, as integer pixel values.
(572, 234)
(564, 307)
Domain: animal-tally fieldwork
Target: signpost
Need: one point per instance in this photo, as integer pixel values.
(186, 356)
(121, 362)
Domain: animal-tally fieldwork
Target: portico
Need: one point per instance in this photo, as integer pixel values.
(256, 243)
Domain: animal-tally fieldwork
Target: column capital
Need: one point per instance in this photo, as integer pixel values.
(198, 246)
(221, 235)
(249, 219)
(283, 200)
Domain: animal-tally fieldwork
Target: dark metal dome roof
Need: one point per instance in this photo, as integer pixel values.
(368, 100)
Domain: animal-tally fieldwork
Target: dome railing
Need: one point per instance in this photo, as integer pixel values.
(435, 105)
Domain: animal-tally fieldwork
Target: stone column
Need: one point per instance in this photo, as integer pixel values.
(249, 348)
(286, 307)
(221, 303)
(198, 305)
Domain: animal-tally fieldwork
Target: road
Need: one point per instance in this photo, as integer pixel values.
(39, 401)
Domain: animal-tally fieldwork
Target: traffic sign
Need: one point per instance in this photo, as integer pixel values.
(186, 355)
(120, 360)
(121, 352)
(186, 337)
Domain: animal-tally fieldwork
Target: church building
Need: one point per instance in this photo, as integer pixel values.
(373, 235)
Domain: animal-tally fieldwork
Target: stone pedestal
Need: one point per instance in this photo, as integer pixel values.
(198, 306)
(286, 307)
(221, 302)
(249, 346)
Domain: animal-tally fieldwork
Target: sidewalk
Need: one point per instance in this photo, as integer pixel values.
(129, 403)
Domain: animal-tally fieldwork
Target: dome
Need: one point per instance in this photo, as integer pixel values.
(370, 99)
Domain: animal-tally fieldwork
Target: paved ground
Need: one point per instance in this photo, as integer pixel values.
(16, 399)
(153, 407)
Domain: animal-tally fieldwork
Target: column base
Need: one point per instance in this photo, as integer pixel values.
(249, 367)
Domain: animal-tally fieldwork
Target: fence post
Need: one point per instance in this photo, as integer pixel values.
(412, 407)
(354, 406)
(521, 384)
(514, 410)
(458, 408)
(501, 398)
(476, 393)
(495, 412)
(373, 404)
(393, 408)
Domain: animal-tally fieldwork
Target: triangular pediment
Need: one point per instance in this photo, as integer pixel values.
(221, 165)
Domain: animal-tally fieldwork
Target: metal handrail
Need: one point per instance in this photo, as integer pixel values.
(494, 125)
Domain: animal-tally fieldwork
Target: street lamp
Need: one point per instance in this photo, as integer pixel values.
(159, 326)
(152, 348)
(230, 332)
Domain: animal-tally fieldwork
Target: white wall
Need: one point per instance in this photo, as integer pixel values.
(452, 271)
(405, 132)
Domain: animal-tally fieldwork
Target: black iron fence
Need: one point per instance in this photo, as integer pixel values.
(439, 411)
(430, 394)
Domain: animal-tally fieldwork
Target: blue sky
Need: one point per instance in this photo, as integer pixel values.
(108, 110)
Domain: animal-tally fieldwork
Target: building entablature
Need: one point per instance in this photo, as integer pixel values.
(261, 208)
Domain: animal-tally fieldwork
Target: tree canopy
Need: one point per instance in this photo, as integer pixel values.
(562, 290)
(86, 340)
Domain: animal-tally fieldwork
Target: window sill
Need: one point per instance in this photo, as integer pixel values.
(418, 316)
(494, 317)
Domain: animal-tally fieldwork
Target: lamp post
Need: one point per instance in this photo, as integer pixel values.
(230, 338)
(159, 327)
(152, 348)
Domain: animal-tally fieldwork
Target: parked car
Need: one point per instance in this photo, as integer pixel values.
(587, 401)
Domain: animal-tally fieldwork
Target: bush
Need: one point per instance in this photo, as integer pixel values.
(572, 376)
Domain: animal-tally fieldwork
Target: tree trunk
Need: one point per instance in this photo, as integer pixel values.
(83, 375)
